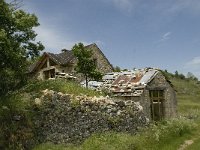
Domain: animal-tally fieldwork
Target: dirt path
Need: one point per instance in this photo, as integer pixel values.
(186, 144)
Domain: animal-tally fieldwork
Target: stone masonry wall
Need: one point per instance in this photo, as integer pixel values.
(64, 118)
(102, 63)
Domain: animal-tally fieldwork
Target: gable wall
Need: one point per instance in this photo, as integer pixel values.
(102, 64)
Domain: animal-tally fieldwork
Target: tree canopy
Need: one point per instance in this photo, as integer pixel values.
(17, 45)
(86, 64)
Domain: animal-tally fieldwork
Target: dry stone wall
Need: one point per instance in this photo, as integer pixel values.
(64, 118)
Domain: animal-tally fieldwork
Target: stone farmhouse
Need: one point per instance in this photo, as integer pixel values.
(148, 87)
(63, 63)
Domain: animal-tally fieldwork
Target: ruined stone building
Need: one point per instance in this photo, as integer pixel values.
(148, 87)
(51, 64)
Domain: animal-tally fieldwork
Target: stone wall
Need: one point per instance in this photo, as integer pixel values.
(64, 118)
(103, 64)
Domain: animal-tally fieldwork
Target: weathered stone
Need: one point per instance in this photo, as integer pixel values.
(38, 101)
(65, 118)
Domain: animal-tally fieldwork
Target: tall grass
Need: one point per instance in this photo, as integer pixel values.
(59, 85)
(158, 136)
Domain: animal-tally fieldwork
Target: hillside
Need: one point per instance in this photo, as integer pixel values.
(188, 95)
(18, 110)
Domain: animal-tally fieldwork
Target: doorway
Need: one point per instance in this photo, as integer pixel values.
(49, 74)
(157, 109)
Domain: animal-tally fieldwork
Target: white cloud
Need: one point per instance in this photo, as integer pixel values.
(193, 66)
(195, 62)
(124, 5)
(54, 41)
(176, 6)
(51, 39)
(165, 36)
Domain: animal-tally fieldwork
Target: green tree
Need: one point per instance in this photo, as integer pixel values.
(86, 64)
(192, 76)
(182, 76)
(117, 69)
(17, 45)
(176, 74)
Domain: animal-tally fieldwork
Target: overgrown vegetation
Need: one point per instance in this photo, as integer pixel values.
(17, 111)
(17, 45)
(167, 135)
(156, 137)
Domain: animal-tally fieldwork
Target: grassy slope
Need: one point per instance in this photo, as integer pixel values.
(188, 95)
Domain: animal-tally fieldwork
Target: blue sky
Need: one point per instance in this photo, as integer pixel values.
(132, 33)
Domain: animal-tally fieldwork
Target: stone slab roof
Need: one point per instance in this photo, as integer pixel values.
(132, 84)
(125, 83)
(62, 58)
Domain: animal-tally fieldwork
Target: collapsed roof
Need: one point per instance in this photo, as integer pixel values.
(127, 83)
(134, 83)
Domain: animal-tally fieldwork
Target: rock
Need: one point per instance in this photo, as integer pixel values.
(17, 118)
(120, 103)
(38, 101)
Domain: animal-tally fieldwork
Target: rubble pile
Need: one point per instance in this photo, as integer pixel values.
(64, 118)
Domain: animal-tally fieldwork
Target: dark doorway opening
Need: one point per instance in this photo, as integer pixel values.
(49, 74)
(157, 109)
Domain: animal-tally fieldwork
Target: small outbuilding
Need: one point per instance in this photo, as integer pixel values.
(151, 89)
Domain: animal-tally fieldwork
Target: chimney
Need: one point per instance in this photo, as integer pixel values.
(64, 50)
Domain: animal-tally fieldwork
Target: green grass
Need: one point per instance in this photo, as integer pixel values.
(195, 145)
(166, 135)
(21, 99)
(188, 95)
(59, 85)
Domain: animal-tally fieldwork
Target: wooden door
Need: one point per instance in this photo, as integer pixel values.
(157, 98)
